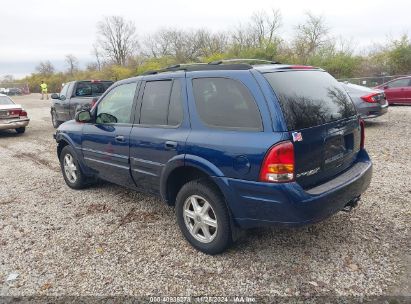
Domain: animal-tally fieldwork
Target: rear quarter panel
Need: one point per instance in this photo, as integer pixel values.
(236, 153)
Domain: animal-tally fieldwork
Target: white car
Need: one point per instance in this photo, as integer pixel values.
(12, 116)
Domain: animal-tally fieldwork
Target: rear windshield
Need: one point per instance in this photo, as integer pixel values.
(310, 98)
(4, 100)
(89, 88)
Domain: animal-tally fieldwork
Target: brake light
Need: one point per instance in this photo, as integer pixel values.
(362, 126)
(370, 98)
(278, 164)
(23, 113)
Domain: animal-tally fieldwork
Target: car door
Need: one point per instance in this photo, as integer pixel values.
(61, 104)
(105, 142)
(160, 131)
(396, 91)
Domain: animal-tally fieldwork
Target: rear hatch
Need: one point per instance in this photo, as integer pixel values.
(322, 122)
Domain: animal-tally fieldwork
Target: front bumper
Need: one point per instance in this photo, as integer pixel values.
(260, 204)
(14, 124)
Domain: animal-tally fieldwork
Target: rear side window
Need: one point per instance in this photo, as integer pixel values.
(310, 98)
(154, 108)
(90, 88)
(399, 83)
(226, 103)
(175, 109)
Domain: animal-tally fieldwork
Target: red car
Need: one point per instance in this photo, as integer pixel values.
(397, 90)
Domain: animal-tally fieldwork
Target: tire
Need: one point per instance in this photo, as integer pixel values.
(54, 120)
(21, 130)
(71, 170)
(208, 239)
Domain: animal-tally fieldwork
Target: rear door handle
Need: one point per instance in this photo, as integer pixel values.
(170, 145)
(120, 138)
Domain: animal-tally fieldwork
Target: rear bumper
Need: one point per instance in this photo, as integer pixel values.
(373, 111)
(260, 204)
(14, 124)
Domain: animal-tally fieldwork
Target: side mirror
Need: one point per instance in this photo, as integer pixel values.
(83, 116)
(386, 87)
(55, 96)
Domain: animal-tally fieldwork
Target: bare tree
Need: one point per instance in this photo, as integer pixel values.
(45, 68)
(117, 38)
(97, 54)
(310, 36)
(72, 63)
(265, 26)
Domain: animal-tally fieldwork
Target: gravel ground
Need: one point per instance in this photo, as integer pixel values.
(108, 240)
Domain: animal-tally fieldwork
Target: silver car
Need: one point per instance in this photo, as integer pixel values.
(12, 116)
(370, 103)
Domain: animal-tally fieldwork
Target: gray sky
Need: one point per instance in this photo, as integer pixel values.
(32, 30)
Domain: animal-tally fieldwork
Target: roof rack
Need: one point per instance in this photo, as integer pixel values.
(248, 60)
(226, 64)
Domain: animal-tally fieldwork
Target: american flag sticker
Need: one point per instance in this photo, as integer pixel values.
(297, 136)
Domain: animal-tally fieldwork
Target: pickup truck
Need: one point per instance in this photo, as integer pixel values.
(76, 95)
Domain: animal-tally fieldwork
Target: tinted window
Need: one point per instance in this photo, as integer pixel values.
(310, 98)
(399, 83)
(90, 89)
(226, 103)
(175, 111)
(4, 100)
(117, 104)
(156, 97)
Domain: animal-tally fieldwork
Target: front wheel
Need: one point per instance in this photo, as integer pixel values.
(54, 120)
(71, 169)
(203, 217)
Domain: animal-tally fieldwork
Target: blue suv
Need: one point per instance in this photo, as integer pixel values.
(229, 145)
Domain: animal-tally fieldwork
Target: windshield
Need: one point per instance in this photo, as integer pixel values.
(89, 88)
(4, 100)
(310, 98)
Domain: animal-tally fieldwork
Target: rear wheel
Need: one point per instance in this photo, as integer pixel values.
(203, 217)
(54, 120)
(71, 169)
(21, 130)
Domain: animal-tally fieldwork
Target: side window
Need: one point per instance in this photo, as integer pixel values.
(156, 97)
(175, 109)
(64, 90)
(117, 105)
(226, 103)
(399, 83)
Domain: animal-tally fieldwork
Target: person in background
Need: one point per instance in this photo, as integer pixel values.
(43, 88)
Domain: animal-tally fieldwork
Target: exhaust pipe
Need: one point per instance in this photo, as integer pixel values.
(351, 204)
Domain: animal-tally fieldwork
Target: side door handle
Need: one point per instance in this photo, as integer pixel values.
(170, 145)
(120, 138)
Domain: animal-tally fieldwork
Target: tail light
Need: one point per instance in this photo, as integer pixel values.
(278, 164)
(23, 113)
(362, 126)
(372, 98)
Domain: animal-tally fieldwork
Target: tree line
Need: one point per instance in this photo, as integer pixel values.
(119, 52)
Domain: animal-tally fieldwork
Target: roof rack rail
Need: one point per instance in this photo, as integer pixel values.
(199, 67)
(217, 62)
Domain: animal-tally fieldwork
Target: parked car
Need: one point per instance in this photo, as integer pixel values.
(230, 145)
(74, 96)
(397, 91)
(14, 92)
(370, 103)
(12, 116)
